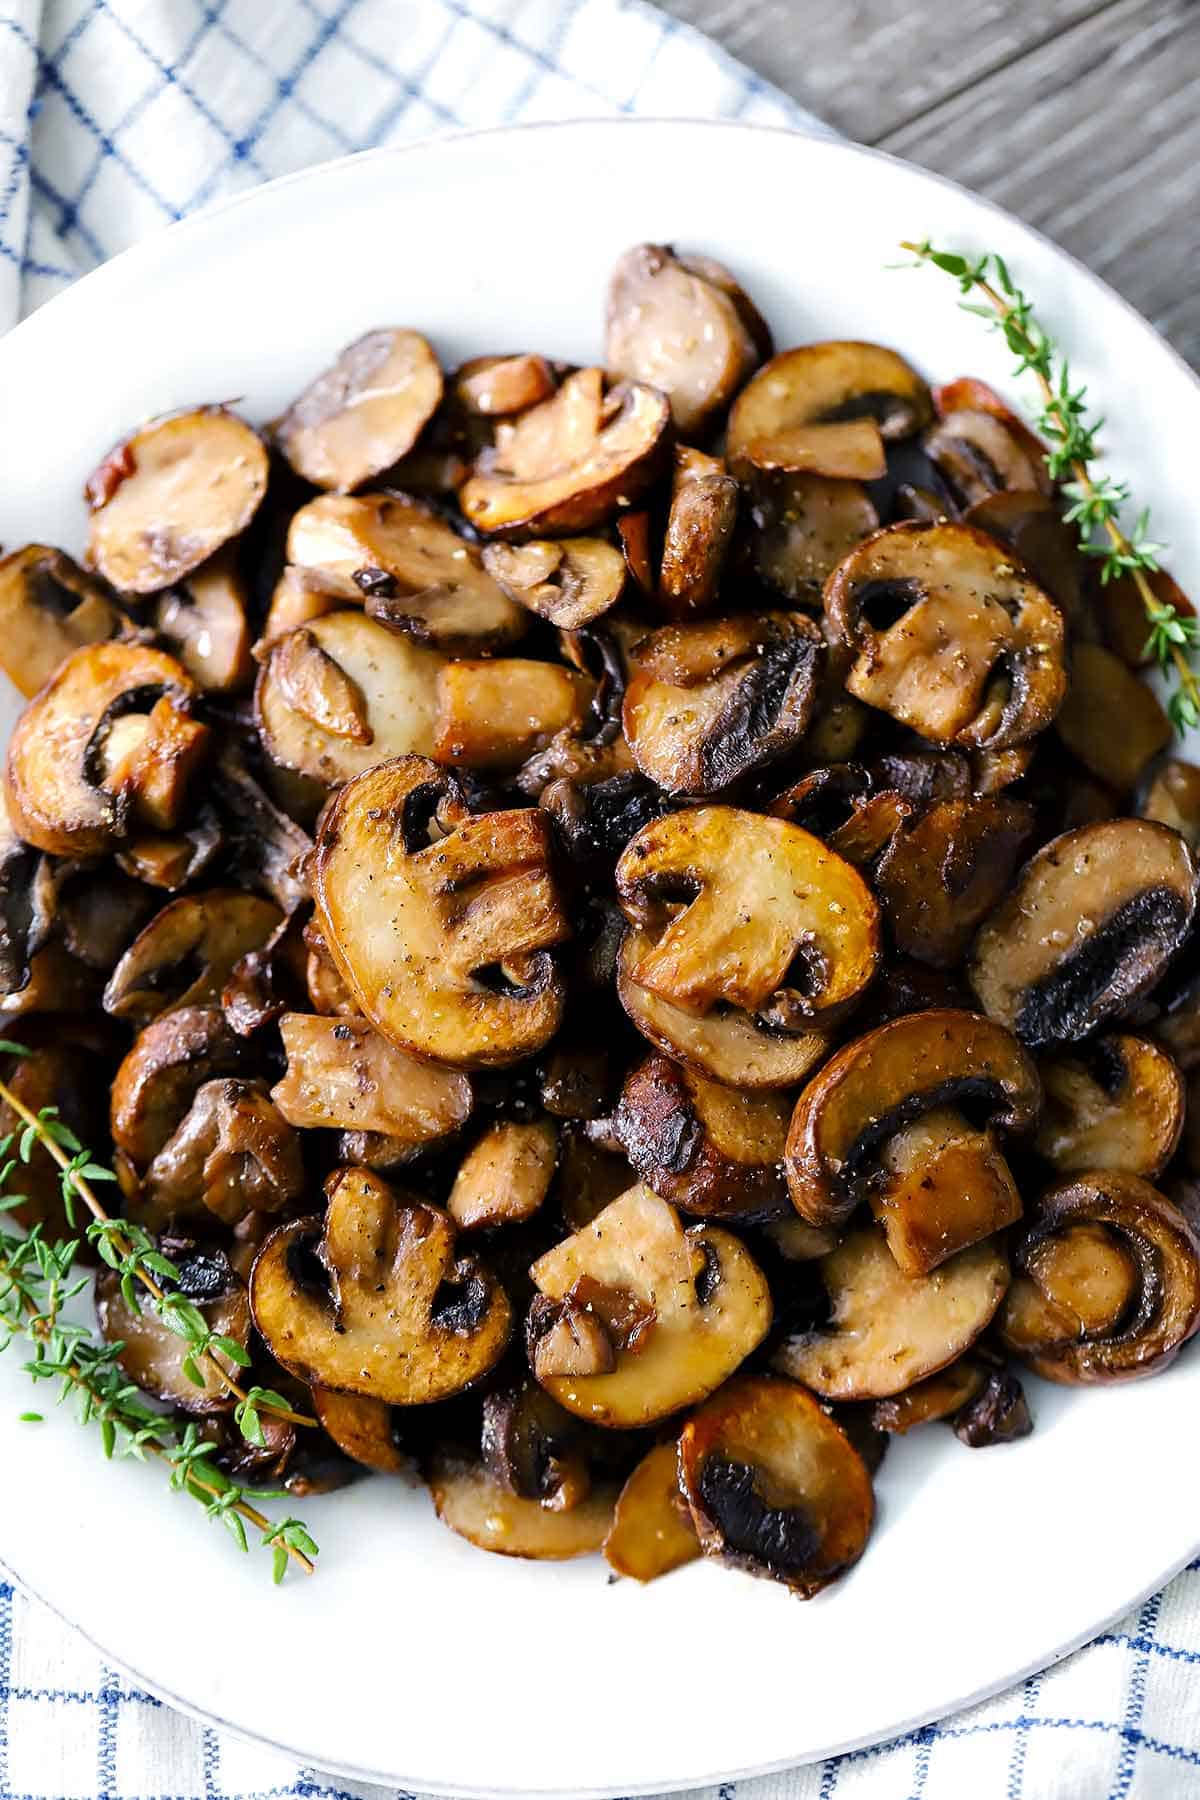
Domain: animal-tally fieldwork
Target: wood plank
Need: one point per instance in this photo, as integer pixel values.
(870, 66)
(1096, 139)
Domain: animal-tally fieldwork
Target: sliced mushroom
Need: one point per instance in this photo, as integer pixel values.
(848, 450)
(707, 704)
(171, 860)
(941, 874)
(186, 954)
(169, 1062)
(828, 384)
(588, 1178)
(363, 413)
(342, 1075)
(362, 1429)
(269, 848)
(61, 1076)
(671, 324)
(1173, 798)
(495, 714)
(699, 532)
(999, 1413)
(327, 992)
(444, 944)
(401, 1319)
(942, 1186)
(481, 1509)
(152, 1355)
(977, 454)
(569, 581)
(775, 1485)
(505, 1176)
(204, 623)
(1032, 527)
(572, 462)
(882, 1083)
(1089, 927)
(167, 498)
(842, 806)
(888, 1330)
(711, 1150)
(535, 1449)
(1108, 1283)
(1117, 1103)
(298, 597)
(494, 386)
(267, 981)
(231, 1154)
(48, 608)
(948, 635)
(1118, 606)
(344, 693)
(596, 819)
(736, 1048)
(803, 527)
(74, 781)
(1102, 690)
(415, 574)
(677, 1310)
(750, 912)
(937, 1397)
(652, 1531)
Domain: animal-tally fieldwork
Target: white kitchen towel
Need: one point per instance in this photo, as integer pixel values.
(117, 116)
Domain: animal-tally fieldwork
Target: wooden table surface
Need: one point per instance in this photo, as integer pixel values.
(1081, 116)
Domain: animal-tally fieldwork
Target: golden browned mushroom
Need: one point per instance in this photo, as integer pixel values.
(505, 1176)
(298, 597)
(203, 621)
(231, 1154)
(1117, 1102)
(1101, 691)
(164, 500)
(49, 607)
(977, 454)
(652, 1531)
(473, 1503)
(941, 1185)
(848, 450)
(775, 1485)
(364, 413)
(660, 1316)
(698, 534)
(676, 324)
(569, 581)
(937, 1397)
(948, 635)
(813, 391)
(1108, 1282)
(186, 953)
(1173, 798)
(170, 1060)
(1089, 927)
(707, 704)
(152, 1355)
(89, 754)
(342, 1075)
(493, 386)
(916, 1065)
(495, 714)
(363, 1429)
(344, 693)
(711, 1150)
(572, 462)
(326, 990)
(803, 525)
(888, 1330)
(445, 944)
(402, 1318)
(747, 912)
(941, 874)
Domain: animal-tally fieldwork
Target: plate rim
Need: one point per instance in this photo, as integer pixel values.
(818, 142)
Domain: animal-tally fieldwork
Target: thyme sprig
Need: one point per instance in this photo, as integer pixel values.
(129, 1250)
(1070, 435)
(35, 1284)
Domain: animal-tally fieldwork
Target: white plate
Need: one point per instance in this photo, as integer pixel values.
(412, 1658)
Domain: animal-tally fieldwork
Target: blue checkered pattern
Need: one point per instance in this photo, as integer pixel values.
(117, 116)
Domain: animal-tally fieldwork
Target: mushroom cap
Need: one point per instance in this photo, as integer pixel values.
(444, 944)
(343, 1075)
(1087, 928)
(49, 607)
(941, 874)
(1117, 1102)
(473, 1503)
(403, 1320)
(711, 1150)
(186, 953)
(652, 1531)
(828, 384)
(364, 413)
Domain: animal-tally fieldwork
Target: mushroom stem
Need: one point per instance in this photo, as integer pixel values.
(123, 1245)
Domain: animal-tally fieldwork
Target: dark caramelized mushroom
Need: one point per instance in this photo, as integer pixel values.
(1102, 690)
(998, 1414)
(699, 530)
(937, 1397)
(803, 526)
(444, 944)
(404, 1320)
(570, 581)
(711, 1150)
(233, 1153)
(342, 1075)
(535, 1449)
(652, 1531)
(944, 872)
(48, 608)
(152, 1355)
(775, 1486)
(186, 953)
(269, 848)
(1108, 1282)
(167, 498)
(948, 635)
(1030, 525)
(1088, 928)
(707, 704)
(362, 1429)
(60, 1075)
(596, 819)
(842, 805)
(364, 413)
(977, 454)
(169, 1062)
(1116, 1103)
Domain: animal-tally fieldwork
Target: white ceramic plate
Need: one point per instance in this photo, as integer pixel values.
(412, 1658)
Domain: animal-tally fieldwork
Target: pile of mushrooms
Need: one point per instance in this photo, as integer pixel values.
(637, 916)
